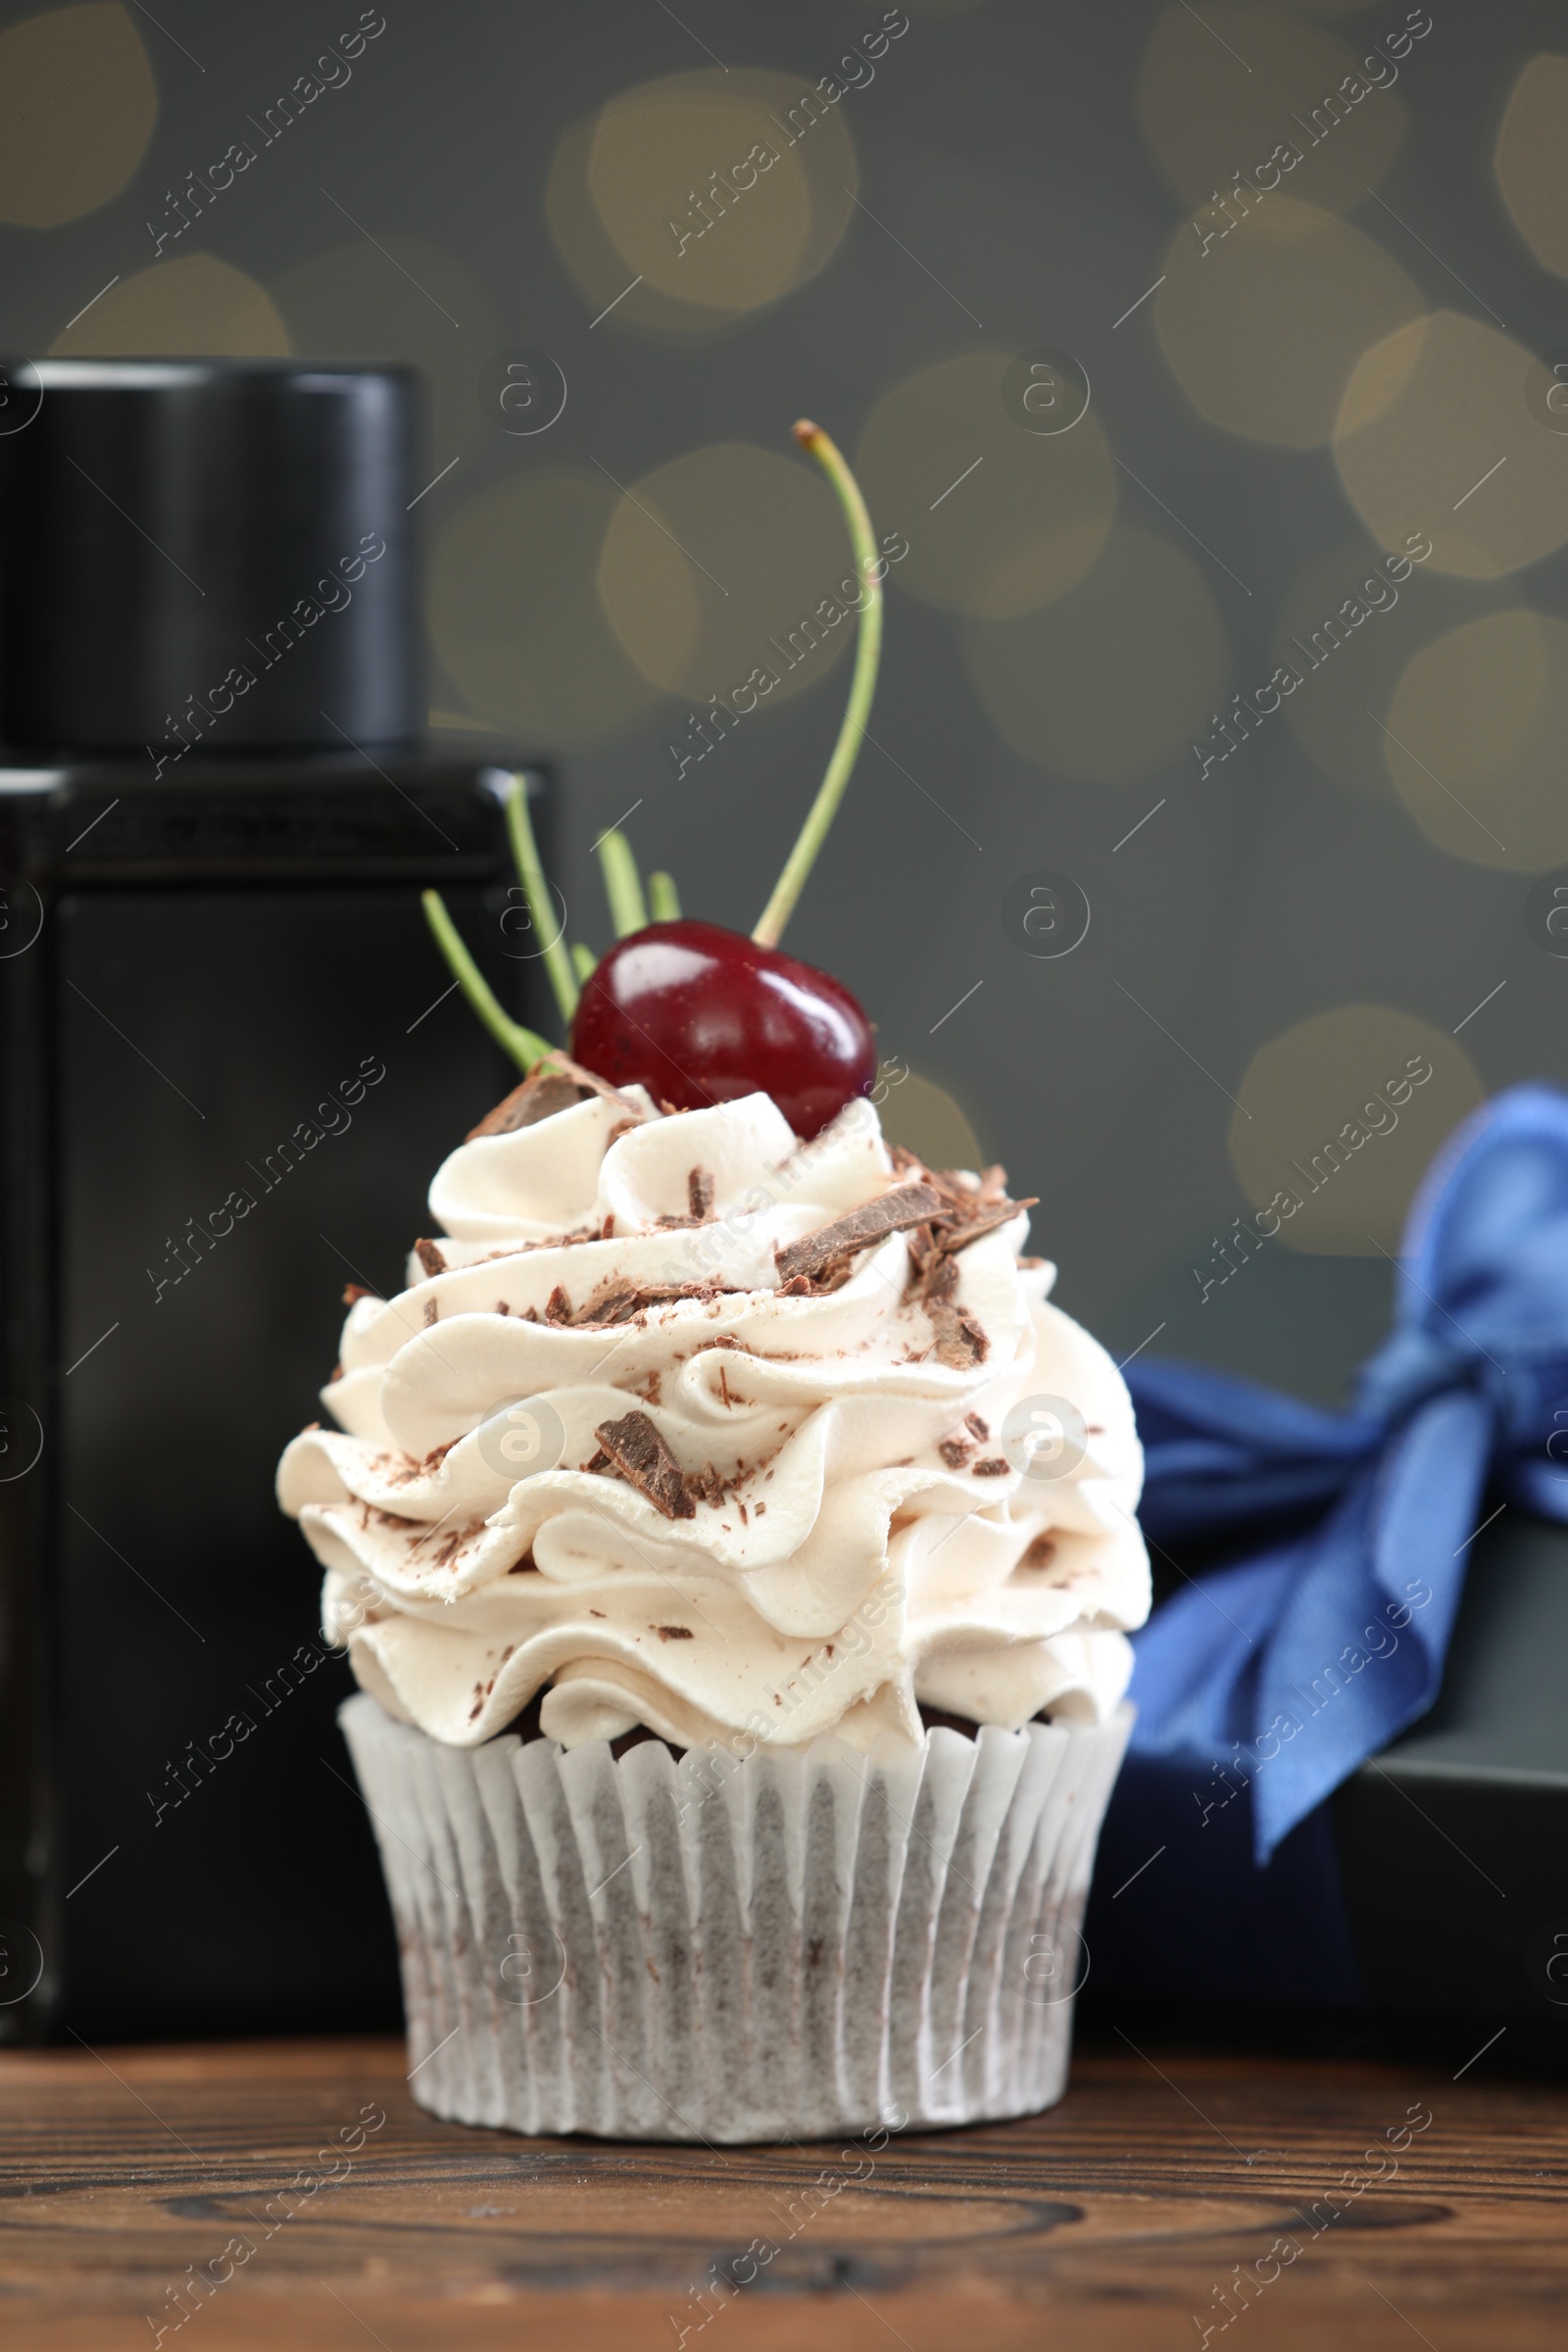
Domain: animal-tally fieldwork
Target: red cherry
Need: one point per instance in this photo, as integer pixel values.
(704, 1016)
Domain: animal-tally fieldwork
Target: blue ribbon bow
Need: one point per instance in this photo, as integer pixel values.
(1293, 1667)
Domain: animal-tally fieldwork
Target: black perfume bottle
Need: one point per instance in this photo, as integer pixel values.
(230, 1060)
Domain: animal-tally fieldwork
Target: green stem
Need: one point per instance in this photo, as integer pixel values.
(541, 906)
(863, 686)
(664, 900)
(521, 1044)
(623, 888)
(583, 962)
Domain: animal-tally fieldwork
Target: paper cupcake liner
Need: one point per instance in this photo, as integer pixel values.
(799, 1945)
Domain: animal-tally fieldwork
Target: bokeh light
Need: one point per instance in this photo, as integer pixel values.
(1265, 325)
(1335, 1114)
(699, 198)
(1475, 741)
(1115, 676)
(515, 616)
(1436, 437)
(925, 1119)
(999, 519)
(197, 307)
(716, 568)
(78, 106)
(1348, 624)
(1229, 91)
(1532, 160)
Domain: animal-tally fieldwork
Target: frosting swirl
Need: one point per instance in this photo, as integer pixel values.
(631, 1434)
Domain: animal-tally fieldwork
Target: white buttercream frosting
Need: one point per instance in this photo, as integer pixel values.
(865, 1533)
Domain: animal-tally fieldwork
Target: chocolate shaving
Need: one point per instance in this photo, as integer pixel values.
(961, 1344)
(541, 1095)
(985, 1220)
(590, 1082)
(980, 1427)
(955, 1452)
(619, 1300)
(431, 1311)
(355, 1291)
(557, 1306)
(832, 1277)
(555, 1083)
(936, 1277)
(893, 1213)
(707, 1486)
(429, 1258)
(646, 1462)
(970, 1205)
(674, 1632)
(699, 1193)
(993, 1466)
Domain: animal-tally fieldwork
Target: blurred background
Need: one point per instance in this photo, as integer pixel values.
(1154, 336)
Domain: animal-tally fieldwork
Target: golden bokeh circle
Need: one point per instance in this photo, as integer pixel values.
(515, 616)
(701, 197)
(723, 565)
(1436, 436)
(1350, 623)
(925, 1119)
(1532, 160)
(1265, 325)
(1228, 91)
(1114, 677)
(1475, 741)
(1335, 1115)
(78, 106)
(999, 520)
(411, 301)
(197, 307)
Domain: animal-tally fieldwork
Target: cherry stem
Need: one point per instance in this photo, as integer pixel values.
(536, 890)
(863, 686)
(622, 886)
(521, 1044)
(583, 962)
(663, 899)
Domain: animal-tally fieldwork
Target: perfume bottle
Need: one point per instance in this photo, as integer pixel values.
(229, 1057)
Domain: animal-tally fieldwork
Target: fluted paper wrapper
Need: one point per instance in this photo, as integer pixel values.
(799, 1945)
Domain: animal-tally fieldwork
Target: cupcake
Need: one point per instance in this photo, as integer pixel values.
(735, 1550)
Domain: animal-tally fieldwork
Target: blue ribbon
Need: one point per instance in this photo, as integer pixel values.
(1285, 1673)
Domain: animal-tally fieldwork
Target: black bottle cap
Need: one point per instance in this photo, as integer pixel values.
(212, 553)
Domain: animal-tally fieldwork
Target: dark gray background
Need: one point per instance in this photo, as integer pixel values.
(1003, 147)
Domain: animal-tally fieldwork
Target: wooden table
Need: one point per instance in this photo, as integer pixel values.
(1125, 2218)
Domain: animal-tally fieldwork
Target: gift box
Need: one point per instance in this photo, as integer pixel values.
(1349, 1781)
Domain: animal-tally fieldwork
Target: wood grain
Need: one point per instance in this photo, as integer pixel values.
(1102, 2227)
